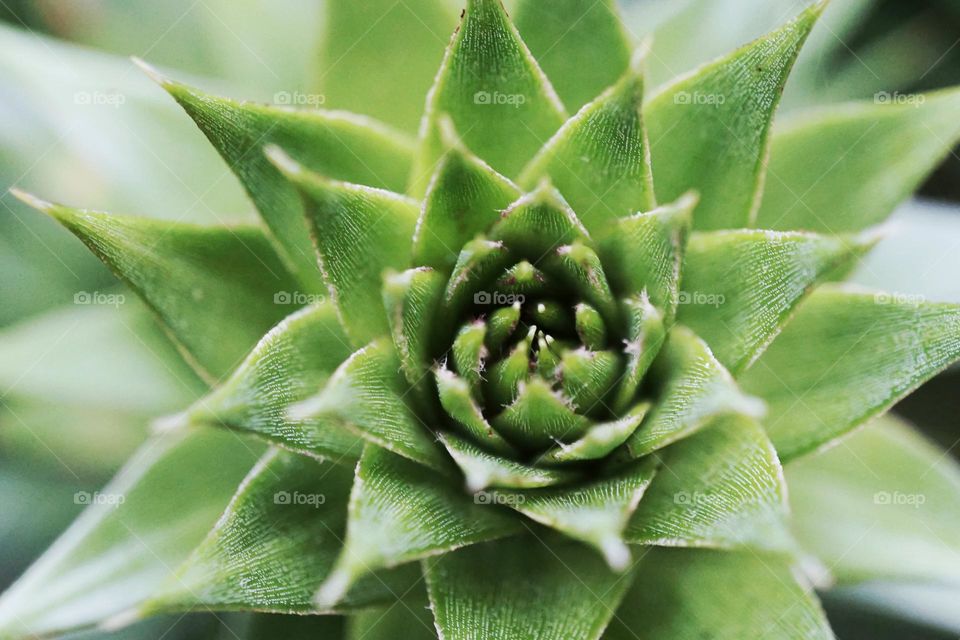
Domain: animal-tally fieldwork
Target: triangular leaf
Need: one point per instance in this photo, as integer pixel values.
(646, 334)
(539, 416)
(412, 300)
(483, 469)
(600, 440)
(871, 350)
(709, 129)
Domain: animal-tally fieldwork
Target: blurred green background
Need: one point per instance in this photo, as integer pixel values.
(79, 383)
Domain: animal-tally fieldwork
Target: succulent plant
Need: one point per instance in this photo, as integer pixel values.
(546, 376)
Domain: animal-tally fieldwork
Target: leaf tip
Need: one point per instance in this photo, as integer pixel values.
(32, 201)
(120, 620)
(616, 553)
(282, 161)
(152, 72)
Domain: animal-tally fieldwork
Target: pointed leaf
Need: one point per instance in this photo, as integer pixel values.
(400, 511)
(132, 536)
(740, 287)
(494, 92)
(213, 288)
(398, 46)
(878, 154)
(872, 350)
(274, 544)
(581, 44)
(538, 223)
(600, 158)
(338, 145)
(412, 300)
(886, 487)
(539, 416)
(646, 334)
(459, 403)
(522, 588)
(579, 268)
(720, 488)
(359, 233)
(288, 365)
(600, 440)
(483, 469)
(709, 130)
(369, 395)
(695, 388)
(686, 594)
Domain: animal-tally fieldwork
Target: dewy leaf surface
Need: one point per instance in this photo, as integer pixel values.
(491, 87)
(871, 350)
(886, 487)
(400, 511)
(136, 531)
(288, 365)
(274, 544)
(686, 594)
(521, 588)
(580, 44)
(359, 232)
(721, 488)
(600, 159)
(213, 288)
(341, 146)
(709, 130)
(845, 168)
(740, 287)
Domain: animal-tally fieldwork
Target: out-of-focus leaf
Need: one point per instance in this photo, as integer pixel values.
(398, 47)
(212, 288)
(337, 145)
(883, 488)
(521, 588)
(287, 366)
(695, 388)
(412, 301)
(721, 488)
(273, 546)
(400, 511)
(408, 618)
(687, 594)
(359, 232)
(491, 87)
(871, 350)
(600, 158)
(709, 130)
(878, 154)
(740, 287)
(581, 45)
(931, 605)
(132, 536)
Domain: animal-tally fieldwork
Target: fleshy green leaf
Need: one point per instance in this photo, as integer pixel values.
(408, 618)
(645, 252)
(645, 337)
(871, 350)
(274, 544)
(740, 287)
(521, 588)
(721, 488)
(876, 156)
(137, 529)
(539, 416)
(464, 199)
(483, 469)
(400, 511)
(538, 223)
(686, 594)
(398, 46)
(213, 288)
(494, 92)
(581, 45)
(459, 403)
(341, 146)
(359, 233)
(596, 512)
(709, 130)
(600, 440)
(600, 158)
(369, 395)
(288, 365)
(884, 488)
(695, 388)
(412, 300)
